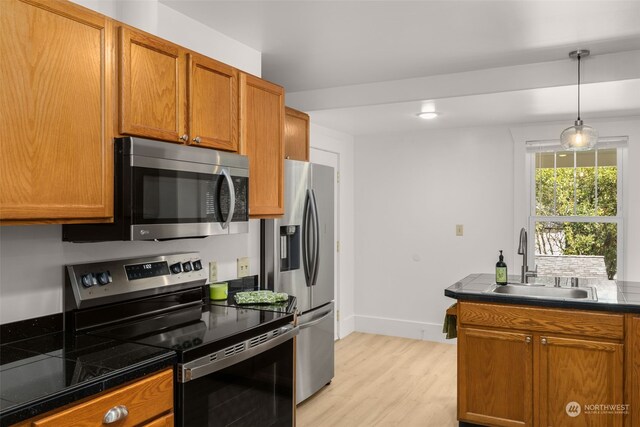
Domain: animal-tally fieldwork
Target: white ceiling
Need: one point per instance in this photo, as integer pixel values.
(599, 100)
(309, 45)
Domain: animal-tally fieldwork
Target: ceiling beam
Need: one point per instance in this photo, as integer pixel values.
(597, 68)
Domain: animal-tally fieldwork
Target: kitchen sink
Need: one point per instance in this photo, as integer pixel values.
(545, 292)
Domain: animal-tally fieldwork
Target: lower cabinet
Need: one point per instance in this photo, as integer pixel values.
(164, 421)
(148, 402)
(495, 377)
(538, 370)
(632, 366)
(575, 375)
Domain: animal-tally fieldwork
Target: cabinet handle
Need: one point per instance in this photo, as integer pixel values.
(543, 341)
(527, 340)
(184, 137)
(197, 139)
(114, 414)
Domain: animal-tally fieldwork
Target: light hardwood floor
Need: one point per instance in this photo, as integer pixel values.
(386, 381)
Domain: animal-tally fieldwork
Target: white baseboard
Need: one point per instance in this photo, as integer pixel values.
(401, 328)
(347, 326)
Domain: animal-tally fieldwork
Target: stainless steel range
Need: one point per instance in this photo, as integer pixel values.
(234, 365)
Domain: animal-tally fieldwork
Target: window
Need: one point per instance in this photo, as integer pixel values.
(576, 211)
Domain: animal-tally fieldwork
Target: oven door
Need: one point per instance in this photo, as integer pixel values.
(254, 387)
(175, 199)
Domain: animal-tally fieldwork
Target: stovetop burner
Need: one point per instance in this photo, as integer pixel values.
(215, 327)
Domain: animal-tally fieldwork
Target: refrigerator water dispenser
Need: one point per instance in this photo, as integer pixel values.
(289, 247)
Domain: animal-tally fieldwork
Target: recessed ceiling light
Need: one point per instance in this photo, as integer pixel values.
(428, 115)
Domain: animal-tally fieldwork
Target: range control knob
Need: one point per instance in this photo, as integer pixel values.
(187, 267)
(104, 278)
(197, 265)
(176, 268)
(87, 280)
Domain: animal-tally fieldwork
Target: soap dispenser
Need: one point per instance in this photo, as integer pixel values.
(501, 271)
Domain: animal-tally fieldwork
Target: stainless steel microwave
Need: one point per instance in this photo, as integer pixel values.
(167, 191)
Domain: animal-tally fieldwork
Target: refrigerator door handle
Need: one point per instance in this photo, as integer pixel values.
(316, 238)
(232, 198)
(315, 321)
(305, 240)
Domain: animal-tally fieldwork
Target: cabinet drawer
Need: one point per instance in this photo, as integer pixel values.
(144, 399)
(572, 322)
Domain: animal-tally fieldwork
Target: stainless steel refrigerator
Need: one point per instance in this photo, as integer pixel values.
(298, 258)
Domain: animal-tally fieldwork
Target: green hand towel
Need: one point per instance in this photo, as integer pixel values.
(260, 297)
(449, 327)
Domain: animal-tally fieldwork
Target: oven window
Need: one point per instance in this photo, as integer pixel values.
(255, 392)
(168, 197)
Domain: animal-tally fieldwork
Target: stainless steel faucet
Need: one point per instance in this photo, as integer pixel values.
(522, 250)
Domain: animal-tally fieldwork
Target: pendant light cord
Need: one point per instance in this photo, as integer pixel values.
(578, 86)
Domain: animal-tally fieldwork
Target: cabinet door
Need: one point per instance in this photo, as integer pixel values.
(145, 399)
(55, 104)
(261, 139)
(575, 374)
(164, 421)
(213, 103)
(495, 377)
(633, 366)
(296, 135)
(151, 79)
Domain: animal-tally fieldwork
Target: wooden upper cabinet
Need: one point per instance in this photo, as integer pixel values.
(55, 103)
(151, 87)
(296, 135)
(582, 371)
(495, 377)
(261, 139)
(213, 103)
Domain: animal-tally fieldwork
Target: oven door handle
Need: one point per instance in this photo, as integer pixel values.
(196, 369)
(232, 198)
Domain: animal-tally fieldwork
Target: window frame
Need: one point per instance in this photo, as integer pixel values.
(618, 219)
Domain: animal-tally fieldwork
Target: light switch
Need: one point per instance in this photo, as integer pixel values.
(459, 229)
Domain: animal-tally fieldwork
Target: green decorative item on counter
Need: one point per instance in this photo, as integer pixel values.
(501, 271)
(218, 291)
(260, 297)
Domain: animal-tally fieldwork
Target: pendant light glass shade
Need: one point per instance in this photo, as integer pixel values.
(579, 137)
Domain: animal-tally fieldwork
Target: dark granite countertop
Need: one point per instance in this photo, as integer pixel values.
(621, 296)
(44, 369)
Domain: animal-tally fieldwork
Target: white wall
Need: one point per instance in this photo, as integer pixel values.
(327, 139)
(411, 190)
(162, 21)
(32, 257)
(476, 177)
(32, 260)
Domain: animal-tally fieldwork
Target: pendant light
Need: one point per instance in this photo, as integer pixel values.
(579, 137)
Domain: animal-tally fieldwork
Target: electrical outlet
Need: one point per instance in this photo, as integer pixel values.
(459, 229)
(243, 267)
(213, 271)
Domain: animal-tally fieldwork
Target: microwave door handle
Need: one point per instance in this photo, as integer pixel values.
(232, 198)
(316, 238)
(305, 239)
